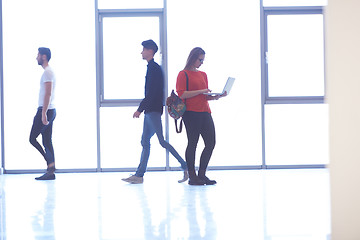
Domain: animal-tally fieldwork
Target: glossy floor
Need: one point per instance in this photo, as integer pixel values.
(245, 204)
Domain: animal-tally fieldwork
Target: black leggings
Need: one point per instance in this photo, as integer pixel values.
(199, 123)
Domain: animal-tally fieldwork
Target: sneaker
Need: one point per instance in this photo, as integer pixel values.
(185, 178)
(134, 179)
(46, 176)
(207, 180)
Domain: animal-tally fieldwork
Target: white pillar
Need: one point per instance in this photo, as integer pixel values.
(343, 95)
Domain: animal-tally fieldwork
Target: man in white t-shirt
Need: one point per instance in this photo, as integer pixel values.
(46, 113)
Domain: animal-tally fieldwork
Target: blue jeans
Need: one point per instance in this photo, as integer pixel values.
(46, 131)
(152, 125)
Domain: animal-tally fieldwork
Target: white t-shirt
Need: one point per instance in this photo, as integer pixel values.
(48, 76)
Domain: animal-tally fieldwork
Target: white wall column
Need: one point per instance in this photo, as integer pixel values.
(343, 96)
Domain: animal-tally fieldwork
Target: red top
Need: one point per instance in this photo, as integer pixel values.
(197, 80)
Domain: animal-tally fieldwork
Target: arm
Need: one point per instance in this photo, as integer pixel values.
(190, 94)
(181, 88)
(48, 92)
(154, 89)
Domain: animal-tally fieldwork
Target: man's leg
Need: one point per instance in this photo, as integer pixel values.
(36, 129)
(148, 132)
(155, 119)
(46, 132)
(47, 141)
(157, 125)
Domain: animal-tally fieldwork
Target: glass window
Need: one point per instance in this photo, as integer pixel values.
(121, 140)
(71, 40)
(288, 3)
(296, 134)
(228, 53)
(295, 55)
(124, 68)
(129, 4)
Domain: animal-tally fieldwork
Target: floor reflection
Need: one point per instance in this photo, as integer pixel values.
(2, 209)
(202, 224)
(43, 220)
(149, 228)
(249, 205)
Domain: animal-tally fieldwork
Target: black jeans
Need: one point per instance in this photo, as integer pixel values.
(199, 123)
(46, 131)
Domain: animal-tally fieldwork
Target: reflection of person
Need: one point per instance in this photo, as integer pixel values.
(197, 204)
(197, 118)
(152, 104)
(43, 220)
(46, 113)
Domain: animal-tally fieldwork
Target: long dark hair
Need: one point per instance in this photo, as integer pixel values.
(193, 56)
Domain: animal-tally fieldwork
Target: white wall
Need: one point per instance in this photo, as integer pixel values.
(343, 85)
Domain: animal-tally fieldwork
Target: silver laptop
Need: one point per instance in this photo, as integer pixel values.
(227, 87)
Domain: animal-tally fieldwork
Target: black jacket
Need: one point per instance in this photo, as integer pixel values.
(154, 89)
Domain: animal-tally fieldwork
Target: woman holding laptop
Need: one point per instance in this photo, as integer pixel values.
(197, 118)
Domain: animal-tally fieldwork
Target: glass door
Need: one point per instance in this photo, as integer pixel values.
(122, 80)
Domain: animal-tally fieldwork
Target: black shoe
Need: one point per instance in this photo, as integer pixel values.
(46, 176)
(207, 180)
(196, 181)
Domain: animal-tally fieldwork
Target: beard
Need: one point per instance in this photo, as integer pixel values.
(40, 62)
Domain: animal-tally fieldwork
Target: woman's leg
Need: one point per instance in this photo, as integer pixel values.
(192, 121)
(208, 135)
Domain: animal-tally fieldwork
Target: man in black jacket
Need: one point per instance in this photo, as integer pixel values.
(152, 105)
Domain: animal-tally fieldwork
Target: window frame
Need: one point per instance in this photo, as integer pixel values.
(101, 101)
(265, 98)
(108, 13)
(2, 145)
(267, 11)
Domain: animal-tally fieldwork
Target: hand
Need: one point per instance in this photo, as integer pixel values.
(224, 94)
(206, 90)
(217, 97)
(44, 119)
(136, 114)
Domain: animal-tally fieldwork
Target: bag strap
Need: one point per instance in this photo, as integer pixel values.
(187, 82)
(179, 130)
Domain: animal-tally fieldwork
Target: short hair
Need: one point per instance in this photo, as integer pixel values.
(150, 44)
(193, 56)
(45, 51)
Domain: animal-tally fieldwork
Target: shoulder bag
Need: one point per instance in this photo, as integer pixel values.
(176, 106)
